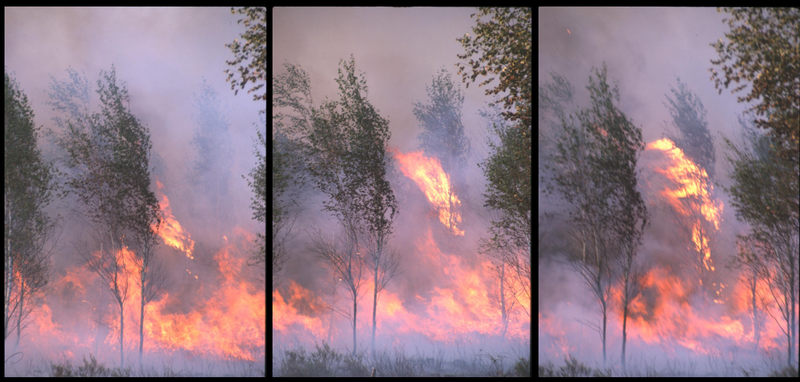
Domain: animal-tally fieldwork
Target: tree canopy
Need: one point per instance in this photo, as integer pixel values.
(250, 54)
(762, 49)
(501, 49)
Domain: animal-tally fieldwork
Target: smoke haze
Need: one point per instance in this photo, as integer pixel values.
(399, 50)
(645, 50)
(168, 58)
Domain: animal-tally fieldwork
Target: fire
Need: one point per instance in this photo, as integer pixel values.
(170, 229)
(691, 179)
(230, 323)
(428, 174)
(692, 194)
(224, 318)
(464, 303)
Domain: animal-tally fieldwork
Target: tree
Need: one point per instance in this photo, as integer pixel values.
(555, 100)
(107, 161)
(442, 133)
(292, 108)
(29, 187)
(764, 193)
(258, 202)
(250, 54)
(210, 173)
(594, 170)
(348, 162)
(501, 47)
(762, 49)
(748, 255)
(689, 117)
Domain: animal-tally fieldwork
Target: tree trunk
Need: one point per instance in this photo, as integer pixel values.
(793, 283)
(121, 333)
(141, 322)
(355, 310)
(604, 332)
(624, 329)
(756, 329)
(9, 279)
(21, 307)
(504, 315)
(374, 306)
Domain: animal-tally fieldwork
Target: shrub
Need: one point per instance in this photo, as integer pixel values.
(89, 368)
(571, 368)
(788, 371)
(522, 368)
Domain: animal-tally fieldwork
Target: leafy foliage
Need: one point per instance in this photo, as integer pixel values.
(689, 116)
(442, 133)
(292, 108)
(762, 49)
(764, 192)
(29, 187)
(250, 54)
(258, 183)
(501, 46)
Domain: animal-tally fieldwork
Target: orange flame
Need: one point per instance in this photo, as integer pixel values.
(428, 174)
(692, 180)
(694, 188)
(170, 229)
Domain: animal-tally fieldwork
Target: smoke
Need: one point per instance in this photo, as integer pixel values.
(399, 50)
(645, 50)
(170, 59)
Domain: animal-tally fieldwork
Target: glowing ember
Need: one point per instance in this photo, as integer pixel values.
(428, 174)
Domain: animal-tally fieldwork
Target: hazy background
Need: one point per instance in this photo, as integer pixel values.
(162, 55)
(645, 50)
(399, 50)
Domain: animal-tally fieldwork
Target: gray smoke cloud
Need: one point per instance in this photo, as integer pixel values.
(399, 50)
(645, 50)
(163, 55)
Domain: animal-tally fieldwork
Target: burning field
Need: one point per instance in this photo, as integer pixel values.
(441, 313)
(135, 192)
(669, 201)
(208, 319)
(690, 306)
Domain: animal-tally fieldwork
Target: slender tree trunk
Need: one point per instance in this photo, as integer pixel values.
(792, 283)
(374, 305)
(121, 333)
(21, 307)
(504, 315)
(756, 329)
(9, 279)
(141, 321)
(355, 311)
(604, 331)
(624, 329)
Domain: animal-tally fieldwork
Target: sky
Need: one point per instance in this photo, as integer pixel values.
(161, 53)
(398, 49)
